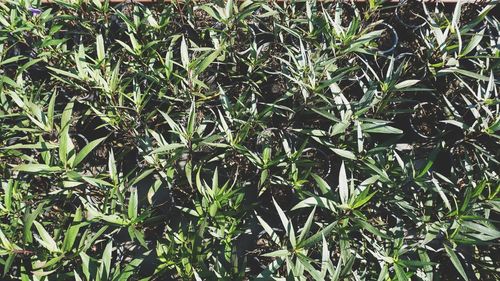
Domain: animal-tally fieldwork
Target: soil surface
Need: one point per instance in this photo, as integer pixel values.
(387, 40)
(426, 119)
(410, 13)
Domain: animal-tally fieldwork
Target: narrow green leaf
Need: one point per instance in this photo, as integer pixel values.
(191, 119)
(277, 253)
(473, 42)
(282, 216)
(406, 84)
(465, 73)
(133, 204)
(8, 264)
(5, 242)
(455, 261)
(317, 201)
(64, 73)
(28, 219)
(66, 147)
(269, 230)
(101, 53)
(86, 150)
(430, 162)
(126, 47)
(46, 240)
(307, 225)
(8, 188)
(343, 185)
(363, 199)
(400, 273)
(207, 61)
(344, 153)
(184, 53)
(269, 271)
(379, 128)
(106, 261)
(36, 168)
(318, 235)
(365, 225)
(113, 172)
(50, 111)
(167, 148)
(72, 231)
(322, 184)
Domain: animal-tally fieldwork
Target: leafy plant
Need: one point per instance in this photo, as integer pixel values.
(248, 140)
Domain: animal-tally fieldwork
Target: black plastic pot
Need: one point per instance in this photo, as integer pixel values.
(352, 89)
(407, 17)
(320, 161)
(397, 109)
(388, 40)
(469, 12)
(346, 12)
(425, 120)
(460, 152)
(127, 8)
(270, 137)
(359, 73)
(415, 64)
(231, 165)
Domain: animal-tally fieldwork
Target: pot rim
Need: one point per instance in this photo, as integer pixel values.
(416, 130)
(403, 2)
(395, 38)
(328, 171)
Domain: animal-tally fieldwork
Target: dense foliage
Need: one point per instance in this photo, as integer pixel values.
(228, 140)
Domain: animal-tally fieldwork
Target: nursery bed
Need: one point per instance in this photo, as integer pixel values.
(339, 141)
(356, 1)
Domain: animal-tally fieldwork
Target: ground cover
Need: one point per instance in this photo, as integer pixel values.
(251, 140)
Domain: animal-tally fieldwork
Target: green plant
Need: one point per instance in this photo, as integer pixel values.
(247, 140)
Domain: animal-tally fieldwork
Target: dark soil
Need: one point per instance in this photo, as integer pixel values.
(318, 161)
(410, 13)
(426, 119)
(202, 18)
(387, 40)
(416, 66)
(351, 89)
(469, 12)
(347, 13)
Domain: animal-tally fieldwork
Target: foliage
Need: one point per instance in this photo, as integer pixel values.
(248, 140)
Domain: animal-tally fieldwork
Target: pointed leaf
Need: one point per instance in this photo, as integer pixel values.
(86, 150)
